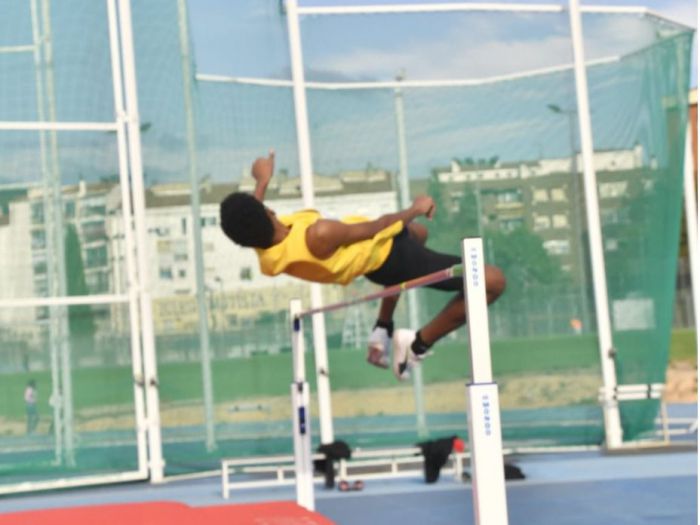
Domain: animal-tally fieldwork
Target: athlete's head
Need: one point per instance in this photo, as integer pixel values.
(246, 221)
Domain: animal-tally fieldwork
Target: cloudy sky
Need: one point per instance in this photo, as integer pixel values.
(366, 47)
(247, 38)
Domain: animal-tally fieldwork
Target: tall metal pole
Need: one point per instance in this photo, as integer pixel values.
(404, 202)
(51, 276)
(611, 409)
(578, 219)
(58, 253)
(127, 224)
(150, 367)
(307, 192)
(691, 217)
(204, 341)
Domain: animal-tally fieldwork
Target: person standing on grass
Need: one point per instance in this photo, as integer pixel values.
(388, 250)
(30, 398)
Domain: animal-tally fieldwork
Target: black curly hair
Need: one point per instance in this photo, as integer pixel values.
(245, 221)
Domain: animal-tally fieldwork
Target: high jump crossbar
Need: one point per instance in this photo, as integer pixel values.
(483, 410)
(418, 282)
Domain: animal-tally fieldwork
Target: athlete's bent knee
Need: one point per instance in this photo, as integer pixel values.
(495, 282)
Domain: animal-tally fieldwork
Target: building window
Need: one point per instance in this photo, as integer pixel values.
(541, 222)
(160, 231)
(611, 190)
(42, 313)
(611, 245)
(37, 213)
(38, 239)
(166, 274)
(540, 196)
(97, 282)
(557, 247)
(208, 221)
(246, 273)
(39, 267)
(509, 196)
(560, 220)
(96, 257)
(69, 210)
(558, 194)
(508, 225)
(609, 216)
(94, 210)
(164, 247)
(183, 225)
(182, 273)
(93, 231)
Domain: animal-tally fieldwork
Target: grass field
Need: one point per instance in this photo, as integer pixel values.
(269, 375)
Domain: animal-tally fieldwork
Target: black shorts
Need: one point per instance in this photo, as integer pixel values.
(409, 259)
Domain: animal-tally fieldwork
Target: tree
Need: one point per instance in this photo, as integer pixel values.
(81, 324)
(519, 253)
(526, 264)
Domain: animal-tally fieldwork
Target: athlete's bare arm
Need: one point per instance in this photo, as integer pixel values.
(263, 169)
(325, 236)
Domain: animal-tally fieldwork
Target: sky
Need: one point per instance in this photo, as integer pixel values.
(247, 38)
(359, 45)
(511, 120)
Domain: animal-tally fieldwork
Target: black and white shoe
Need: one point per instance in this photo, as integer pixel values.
(404, 359)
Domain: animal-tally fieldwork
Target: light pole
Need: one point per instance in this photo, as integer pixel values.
(404, 200)
(576, 214)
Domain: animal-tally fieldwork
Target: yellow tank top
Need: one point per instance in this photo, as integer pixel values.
(291, 256)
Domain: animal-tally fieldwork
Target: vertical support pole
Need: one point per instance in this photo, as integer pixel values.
(150, 367)
(691, 216)
(412, 295)
(132, 285)
(59, 254)
(300, 413)
(611, 409)
(37, 52)
(488, 476)
(307, 192)
(203, 318)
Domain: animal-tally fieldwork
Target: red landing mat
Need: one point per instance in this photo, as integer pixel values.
(167, 513)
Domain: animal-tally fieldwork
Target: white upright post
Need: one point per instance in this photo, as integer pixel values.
(127, 224)
(300, 413)
(54, 331)
(691, 217)
(150, 366)
(198, 256)
(56, 256)
(611, 409)
(307, 191)
(488, 476)
(404, 202)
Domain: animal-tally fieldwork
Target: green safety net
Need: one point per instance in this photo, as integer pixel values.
(67, 402)
(497, 149)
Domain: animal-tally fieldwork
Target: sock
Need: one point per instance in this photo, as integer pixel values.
(418, 346)
(388, 326)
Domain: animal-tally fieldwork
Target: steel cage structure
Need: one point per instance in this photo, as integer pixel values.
(126, 127)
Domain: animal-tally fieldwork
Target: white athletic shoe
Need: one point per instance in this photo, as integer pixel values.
(379, 348)
(404, 358)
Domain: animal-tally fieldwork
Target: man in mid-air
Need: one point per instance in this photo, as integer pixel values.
(388, 250)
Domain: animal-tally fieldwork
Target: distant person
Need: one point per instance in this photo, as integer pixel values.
(387, 251)
(30, 398)
(576, 325)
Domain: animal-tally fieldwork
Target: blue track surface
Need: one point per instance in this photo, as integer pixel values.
(561, 489)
